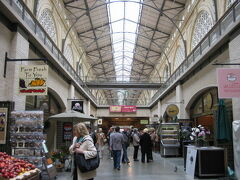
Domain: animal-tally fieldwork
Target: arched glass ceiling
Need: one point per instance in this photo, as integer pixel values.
(122, 16)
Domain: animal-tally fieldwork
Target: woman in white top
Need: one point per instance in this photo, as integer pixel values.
(83, 143)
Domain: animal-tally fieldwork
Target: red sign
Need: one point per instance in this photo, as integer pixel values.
(129, 109)
(117, 109)
(228, 82)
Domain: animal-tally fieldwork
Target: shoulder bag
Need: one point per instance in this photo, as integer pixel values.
(86, 165)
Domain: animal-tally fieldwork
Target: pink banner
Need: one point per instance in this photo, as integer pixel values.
(228, 82)
(129, 109)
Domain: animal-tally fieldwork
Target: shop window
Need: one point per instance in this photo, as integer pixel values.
(203, 24)
(46, 20)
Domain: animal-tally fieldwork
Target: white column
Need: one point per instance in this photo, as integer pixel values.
(180, 102)
(159, 109)
(19, 49)
(71, 95)
(88, 107)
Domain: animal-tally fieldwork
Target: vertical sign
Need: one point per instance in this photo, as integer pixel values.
(67, 131)
(191, 160)
(3, 125)
(228, 82)
(33, 80)
(77, 106)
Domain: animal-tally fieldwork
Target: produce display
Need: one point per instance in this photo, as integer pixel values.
(15, 169)
(27, 136)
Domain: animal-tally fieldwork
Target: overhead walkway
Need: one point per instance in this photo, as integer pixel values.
(122, 85)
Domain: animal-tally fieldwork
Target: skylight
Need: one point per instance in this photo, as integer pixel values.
(124, 18)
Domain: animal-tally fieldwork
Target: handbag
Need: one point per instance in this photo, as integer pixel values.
(86, 165)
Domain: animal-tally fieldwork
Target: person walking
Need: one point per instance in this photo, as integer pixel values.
(136, 140)
(116, 145)
(83, 144)
(146, 144)
(126, 143)
(100, 142)
(110, 131)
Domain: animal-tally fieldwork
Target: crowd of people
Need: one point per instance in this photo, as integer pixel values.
(88, 143)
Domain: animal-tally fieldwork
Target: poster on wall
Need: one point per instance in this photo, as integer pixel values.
(33, 79)
(77, 106)
(3, 125)
(123, 109)
(115, 109)
(67, 131)
(228, 82)
(130, 109)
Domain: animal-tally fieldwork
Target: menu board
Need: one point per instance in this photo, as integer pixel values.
(3, 125)
(67, 131)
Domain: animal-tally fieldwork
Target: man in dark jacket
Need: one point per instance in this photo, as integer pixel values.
(146, 145)
(126, 143)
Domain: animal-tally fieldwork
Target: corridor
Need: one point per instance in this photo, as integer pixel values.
(160, 168)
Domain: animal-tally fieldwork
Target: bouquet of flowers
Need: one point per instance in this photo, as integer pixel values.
(199, 134)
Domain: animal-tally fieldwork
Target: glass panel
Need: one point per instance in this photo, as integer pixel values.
(226, 22)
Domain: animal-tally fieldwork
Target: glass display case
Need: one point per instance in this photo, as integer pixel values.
(169, 133)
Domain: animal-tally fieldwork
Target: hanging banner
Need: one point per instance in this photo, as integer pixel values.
(77, 106)
(3, 125)
(228, 82)
(115, 109)
(33, 80)
(129, 109)
(124, 109)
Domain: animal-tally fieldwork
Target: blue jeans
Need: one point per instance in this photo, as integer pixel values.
(125, 156)
(116, 158)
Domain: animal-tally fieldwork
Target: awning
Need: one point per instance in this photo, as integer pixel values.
(73, 116)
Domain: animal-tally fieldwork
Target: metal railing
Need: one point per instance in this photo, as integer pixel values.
(121, 79)
(215, 34)
(41, 35)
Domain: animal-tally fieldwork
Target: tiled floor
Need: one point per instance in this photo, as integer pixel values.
(161, 168)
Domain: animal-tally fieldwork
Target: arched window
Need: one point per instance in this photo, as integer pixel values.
(203, 24)
(165, 73)
(46, 20)
(229, 3)
(179, 56)
(68, 54)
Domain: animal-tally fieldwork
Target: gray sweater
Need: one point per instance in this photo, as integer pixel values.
(116, 141)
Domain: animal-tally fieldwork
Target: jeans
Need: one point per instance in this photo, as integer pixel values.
(135, 154)
(116, 158)
(125, 156)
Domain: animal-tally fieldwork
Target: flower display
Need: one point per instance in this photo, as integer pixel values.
(199, 133)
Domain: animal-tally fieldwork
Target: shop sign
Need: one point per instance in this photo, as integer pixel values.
(115, 109)
(143, 122)
(124, 109)
(67, 131)
(172, 110)
(3, 125)
(77, 106)
(228, 82)
(33, 80)
(131, 109)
